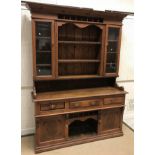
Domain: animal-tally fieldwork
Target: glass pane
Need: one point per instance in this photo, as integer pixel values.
(43, 44)
(43, 58)
(110, 67)
(111, 57)
(112, 52)
(43, 48)
(43, 70)
(112, 47)
(43, 35)
(113, 33)
(43, 29)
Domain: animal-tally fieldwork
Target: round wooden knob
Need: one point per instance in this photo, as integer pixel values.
(93, 103)
(52, 106)
(76, 104)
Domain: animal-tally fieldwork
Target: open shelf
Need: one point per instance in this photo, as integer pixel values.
(43, 64)
(79, 51)
(84, 123)
(80, 42)
(65, 69)
(80, 128)
(70, 32)
(78, 61)
(76, 51)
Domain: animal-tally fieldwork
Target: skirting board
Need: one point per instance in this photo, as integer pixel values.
(28, 131)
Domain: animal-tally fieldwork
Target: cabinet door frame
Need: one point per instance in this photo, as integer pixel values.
(114, 110)
(39, 121)
(114, 74)
(43, 77)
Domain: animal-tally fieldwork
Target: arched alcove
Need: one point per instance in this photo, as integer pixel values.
(79, 127)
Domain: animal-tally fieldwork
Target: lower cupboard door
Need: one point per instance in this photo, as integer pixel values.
(50, 130)
(111, 119)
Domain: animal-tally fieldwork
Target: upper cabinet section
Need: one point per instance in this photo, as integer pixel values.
(112, 50)
(74, 43)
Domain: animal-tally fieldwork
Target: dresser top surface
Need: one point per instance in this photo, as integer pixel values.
(78, 93)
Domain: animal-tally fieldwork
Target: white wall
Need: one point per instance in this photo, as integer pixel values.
(125, 79)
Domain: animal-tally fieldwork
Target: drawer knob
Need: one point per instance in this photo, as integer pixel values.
(76, 104)
(93, 103)
(52, 106)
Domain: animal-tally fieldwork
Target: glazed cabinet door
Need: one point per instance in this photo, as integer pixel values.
(50, 130)
(43, 49)
(112, 50)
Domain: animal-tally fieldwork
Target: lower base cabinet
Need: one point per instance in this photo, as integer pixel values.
(69, 129)
(68, 118)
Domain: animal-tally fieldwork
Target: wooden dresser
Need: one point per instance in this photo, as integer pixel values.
(75, 65)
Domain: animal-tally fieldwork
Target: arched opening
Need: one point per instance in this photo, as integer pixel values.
(86, 127)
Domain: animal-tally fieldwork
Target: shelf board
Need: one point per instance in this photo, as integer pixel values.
(78, 61)
(111, 52)
(43, 51)
(111, 63)
(43, 37)
(80, 42)
(113, 40)
(41, 65)
(78, 76)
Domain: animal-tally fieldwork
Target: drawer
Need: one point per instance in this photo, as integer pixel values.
(49, 105)
(111, 100)
(85, 103)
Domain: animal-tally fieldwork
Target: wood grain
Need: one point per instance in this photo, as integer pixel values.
(79, 101)
(58, 95)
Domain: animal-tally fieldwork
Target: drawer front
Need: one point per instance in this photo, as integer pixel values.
(85, 103)
(111, 100)
(46, 106)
